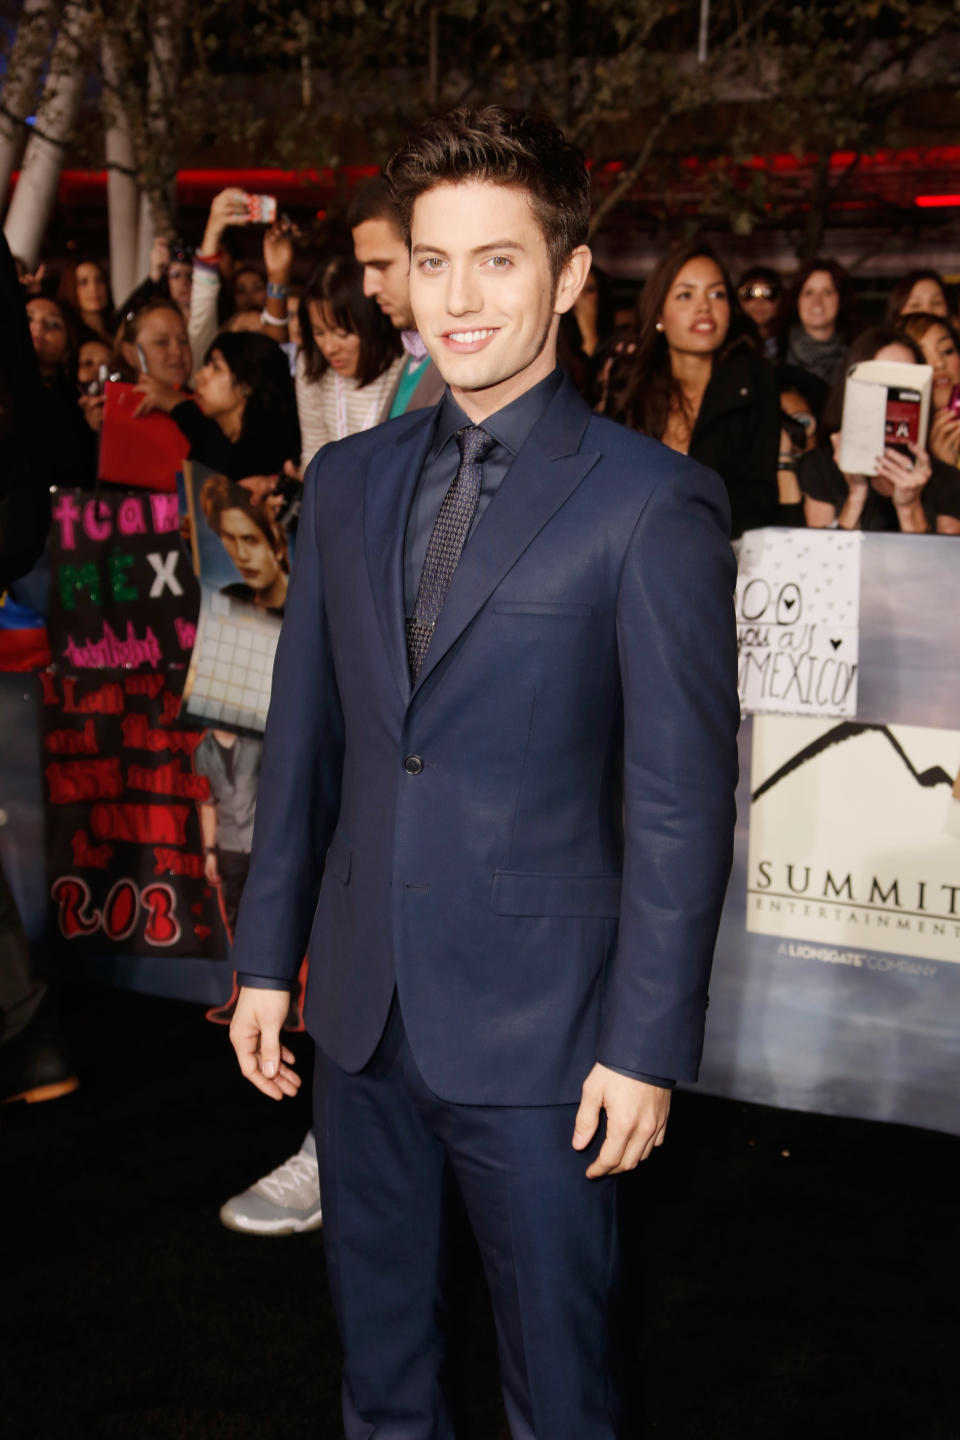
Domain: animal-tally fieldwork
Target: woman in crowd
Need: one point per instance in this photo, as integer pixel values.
(349, 359)
(152, 346)
(940, 347)
(171, 277)
(256, 543)
(915, 494)
(92, 353)
(817, 322)
(689, 376)
(799, 402)
(920, 290)
(242, 419)
(84, 287)
(759, 292)
(70, 444)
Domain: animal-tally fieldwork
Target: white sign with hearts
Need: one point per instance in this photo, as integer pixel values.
(798, 621)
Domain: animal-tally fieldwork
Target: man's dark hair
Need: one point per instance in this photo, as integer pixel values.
(507, 147)
(373, 201)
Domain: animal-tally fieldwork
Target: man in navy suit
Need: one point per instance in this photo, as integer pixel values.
(503, 733)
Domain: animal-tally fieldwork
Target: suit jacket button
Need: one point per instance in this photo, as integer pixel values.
(413, 764)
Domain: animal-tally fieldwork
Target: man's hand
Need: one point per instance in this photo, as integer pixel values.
(211, 868)
(636, 1120)
(255, 1035)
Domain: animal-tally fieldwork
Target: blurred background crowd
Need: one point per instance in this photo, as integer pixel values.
(264, 351)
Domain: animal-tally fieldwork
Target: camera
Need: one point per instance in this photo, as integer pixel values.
(262, 209)
(104, 373)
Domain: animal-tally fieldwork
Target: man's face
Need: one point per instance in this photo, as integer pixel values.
(382, 251)
(483, 293)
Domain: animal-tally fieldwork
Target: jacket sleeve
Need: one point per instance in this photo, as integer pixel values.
(677, 647)
(300, 771)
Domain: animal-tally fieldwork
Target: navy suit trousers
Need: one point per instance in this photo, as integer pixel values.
(392, 1155)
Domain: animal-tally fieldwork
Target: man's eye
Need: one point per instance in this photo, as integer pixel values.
(431, 263)
(500, 262)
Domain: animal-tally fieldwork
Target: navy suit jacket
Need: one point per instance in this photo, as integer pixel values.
(532, 843)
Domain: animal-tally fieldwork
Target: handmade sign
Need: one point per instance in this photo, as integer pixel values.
(122, 592)
(124, 852)
(798, 612)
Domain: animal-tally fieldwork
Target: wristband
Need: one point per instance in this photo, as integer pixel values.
(277, 292)
(269, 319)
(213, 259)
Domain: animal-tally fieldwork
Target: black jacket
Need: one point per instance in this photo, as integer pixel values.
(737, 433)
(25, 475)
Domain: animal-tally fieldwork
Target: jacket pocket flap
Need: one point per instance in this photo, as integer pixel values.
(515, 893)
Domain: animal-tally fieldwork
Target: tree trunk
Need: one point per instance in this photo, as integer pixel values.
(146, 230)
(817, 212)
(123, 192)
(23, 77)
(36, 189)
(159, 174)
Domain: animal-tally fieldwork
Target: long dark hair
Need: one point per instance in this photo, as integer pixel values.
(67, 289)
(642, 386)
(337, 283)
(269, 430)
(865, 347)
(918, 322)
(67, 368)
(900, 293)
(846, 313)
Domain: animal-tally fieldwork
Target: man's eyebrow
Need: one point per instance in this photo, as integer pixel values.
(498, 245)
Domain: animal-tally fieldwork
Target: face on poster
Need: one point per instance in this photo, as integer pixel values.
(242, 552)
(243, 547)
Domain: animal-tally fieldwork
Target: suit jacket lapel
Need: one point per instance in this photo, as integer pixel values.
(391, 479)
(547, 470)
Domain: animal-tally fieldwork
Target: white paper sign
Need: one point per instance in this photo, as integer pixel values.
(798, 618)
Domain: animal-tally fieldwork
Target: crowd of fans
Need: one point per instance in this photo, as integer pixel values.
(260, 364)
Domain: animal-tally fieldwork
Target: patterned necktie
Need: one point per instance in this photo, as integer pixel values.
(450, 531)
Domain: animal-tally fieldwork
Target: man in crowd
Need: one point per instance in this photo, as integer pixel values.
(380, 247)
(513, 760)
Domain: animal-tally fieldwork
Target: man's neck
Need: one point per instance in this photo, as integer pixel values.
(479, 405)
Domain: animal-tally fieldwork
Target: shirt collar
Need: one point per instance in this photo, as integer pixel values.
(413, 344)
(509, 426)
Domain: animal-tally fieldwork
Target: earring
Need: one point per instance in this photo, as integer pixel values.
(659, 325)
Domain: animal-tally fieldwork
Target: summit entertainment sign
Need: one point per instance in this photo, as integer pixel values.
(855, 836)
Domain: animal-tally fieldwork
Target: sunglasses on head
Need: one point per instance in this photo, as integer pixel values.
(758, 292)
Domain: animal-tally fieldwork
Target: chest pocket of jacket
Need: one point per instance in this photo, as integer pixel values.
(538, 607)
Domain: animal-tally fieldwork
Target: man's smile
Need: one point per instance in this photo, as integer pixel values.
(468, 341)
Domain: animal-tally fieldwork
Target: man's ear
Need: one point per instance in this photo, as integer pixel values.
(573, 277)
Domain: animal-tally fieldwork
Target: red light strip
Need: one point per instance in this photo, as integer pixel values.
(936, 202)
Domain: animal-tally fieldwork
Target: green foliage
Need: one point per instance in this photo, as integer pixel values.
(310, 83)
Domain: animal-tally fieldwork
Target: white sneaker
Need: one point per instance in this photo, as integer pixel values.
(285, 1202)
